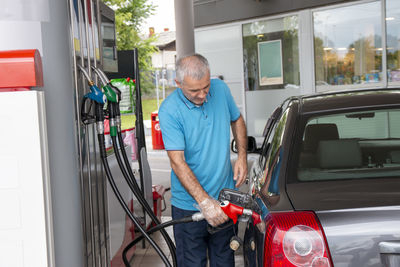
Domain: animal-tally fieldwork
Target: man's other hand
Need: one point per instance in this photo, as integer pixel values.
(240, 171)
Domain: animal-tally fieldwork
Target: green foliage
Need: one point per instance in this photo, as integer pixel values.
(129, 15)
(148, 106)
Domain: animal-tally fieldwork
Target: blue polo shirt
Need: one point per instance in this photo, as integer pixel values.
(203, 133)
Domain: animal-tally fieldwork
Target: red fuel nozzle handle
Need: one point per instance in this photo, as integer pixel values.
(233, 212)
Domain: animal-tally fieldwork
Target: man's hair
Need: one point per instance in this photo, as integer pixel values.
(194, 66)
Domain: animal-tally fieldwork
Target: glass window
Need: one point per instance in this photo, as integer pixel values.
(353, 145)
(393, 40)
(348, 46)
(271, 54)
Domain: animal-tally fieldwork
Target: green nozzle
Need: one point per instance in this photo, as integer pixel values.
(113, 131)
(110, 94)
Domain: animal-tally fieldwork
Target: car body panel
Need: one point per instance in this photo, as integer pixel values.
(354, 235)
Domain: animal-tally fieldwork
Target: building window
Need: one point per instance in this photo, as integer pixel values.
(271, 54)
(393, 40)
(348, 46)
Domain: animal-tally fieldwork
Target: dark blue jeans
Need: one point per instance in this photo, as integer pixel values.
(193, 241)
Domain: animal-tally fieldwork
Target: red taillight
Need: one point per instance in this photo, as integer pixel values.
(295, 239)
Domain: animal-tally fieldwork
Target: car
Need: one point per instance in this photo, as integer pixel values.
(327, 180)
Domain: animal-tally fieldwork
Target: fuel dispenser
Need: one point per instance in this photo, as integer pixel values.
(25, 198)
(92, 105)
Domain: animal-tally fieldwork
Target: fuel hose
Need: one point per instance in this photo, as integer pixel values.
(131, 181)
(191, 218)
(114, 97)
(151, 231)
(103, 155)
(124, 205)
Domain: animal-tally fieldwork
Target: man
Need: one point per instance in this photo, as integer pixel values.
(195, 123)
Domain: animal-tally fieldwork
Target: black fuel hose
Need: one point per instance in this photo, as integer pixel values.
(135, 189)
(103, 154)
(156, 228)
(122, 202)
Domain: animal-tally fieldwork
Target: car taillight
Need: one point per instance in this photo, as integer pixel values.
(295, 239)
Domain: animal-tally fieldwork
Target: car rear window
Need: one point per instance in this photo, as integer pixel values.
(353, 145)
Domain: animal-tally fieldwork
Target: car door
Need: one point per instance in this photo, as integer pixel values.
(265, 178)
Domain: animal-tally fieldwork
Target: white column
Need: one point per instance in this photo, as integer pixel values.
(184, 24)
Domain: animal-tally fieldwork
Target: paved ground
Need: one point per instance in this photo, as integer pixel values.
(160, 169)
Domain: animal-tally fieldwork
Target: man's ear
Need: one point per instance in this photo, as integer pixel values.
(178, 84)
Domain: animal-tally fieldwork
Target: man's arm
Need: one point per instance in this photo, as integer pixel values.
(209, 207)
(240, 135)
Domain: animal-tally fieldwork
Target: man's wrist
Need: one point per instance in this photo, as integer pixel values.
(242, 155)
(201, 197)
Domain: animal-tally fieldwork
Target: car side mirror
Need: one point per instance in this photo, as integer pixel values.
(251, 145)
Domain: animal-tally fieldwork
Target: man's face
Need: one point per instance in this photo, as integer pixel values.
(195, 90)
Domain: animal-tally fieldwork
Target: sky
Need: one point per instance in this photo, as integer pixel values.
(164, 17)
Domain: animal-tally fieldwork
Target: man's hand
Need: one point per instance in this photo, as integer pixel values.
(212, 212)
(240, 135)
(240, 171)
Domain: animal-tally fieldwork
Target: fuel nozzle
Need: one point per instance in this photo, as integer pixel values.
(95, 93)
(97, 96)
(233, 212)
(113, 95)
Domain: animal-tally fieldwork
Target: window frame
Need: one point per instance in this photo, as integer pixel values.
(267, 19)
(384, 82)
(267, 154)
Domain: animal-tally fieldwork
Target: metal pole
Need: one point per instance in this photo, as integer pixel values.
(96, 162)
(84, 135)
(158, 97)
(184, 23)
(163, 83)
(89, 160)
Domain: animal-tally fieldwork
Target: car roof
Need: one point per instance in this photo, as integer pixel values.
(347, 100)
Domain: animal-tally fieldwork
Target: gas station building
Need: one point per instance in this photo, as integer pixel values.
(265, 50)
(306, 46)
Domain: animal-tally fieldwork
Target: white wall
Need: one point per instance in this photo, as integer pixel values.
(222, 46)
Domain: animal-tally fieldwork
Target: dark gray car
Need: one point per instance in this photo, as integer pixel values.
(328, 182)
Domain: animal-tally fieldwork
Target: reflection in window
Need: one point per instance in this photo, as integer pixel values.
(271, 55)
(348, 45)
(393, 39)
(269, 181)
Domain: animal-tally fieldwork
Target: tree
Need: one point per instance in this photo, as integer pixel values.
(129, 15)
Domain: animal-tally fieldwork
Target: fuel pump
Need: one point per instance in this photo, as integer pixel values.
(99, 99)
(115, 131)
